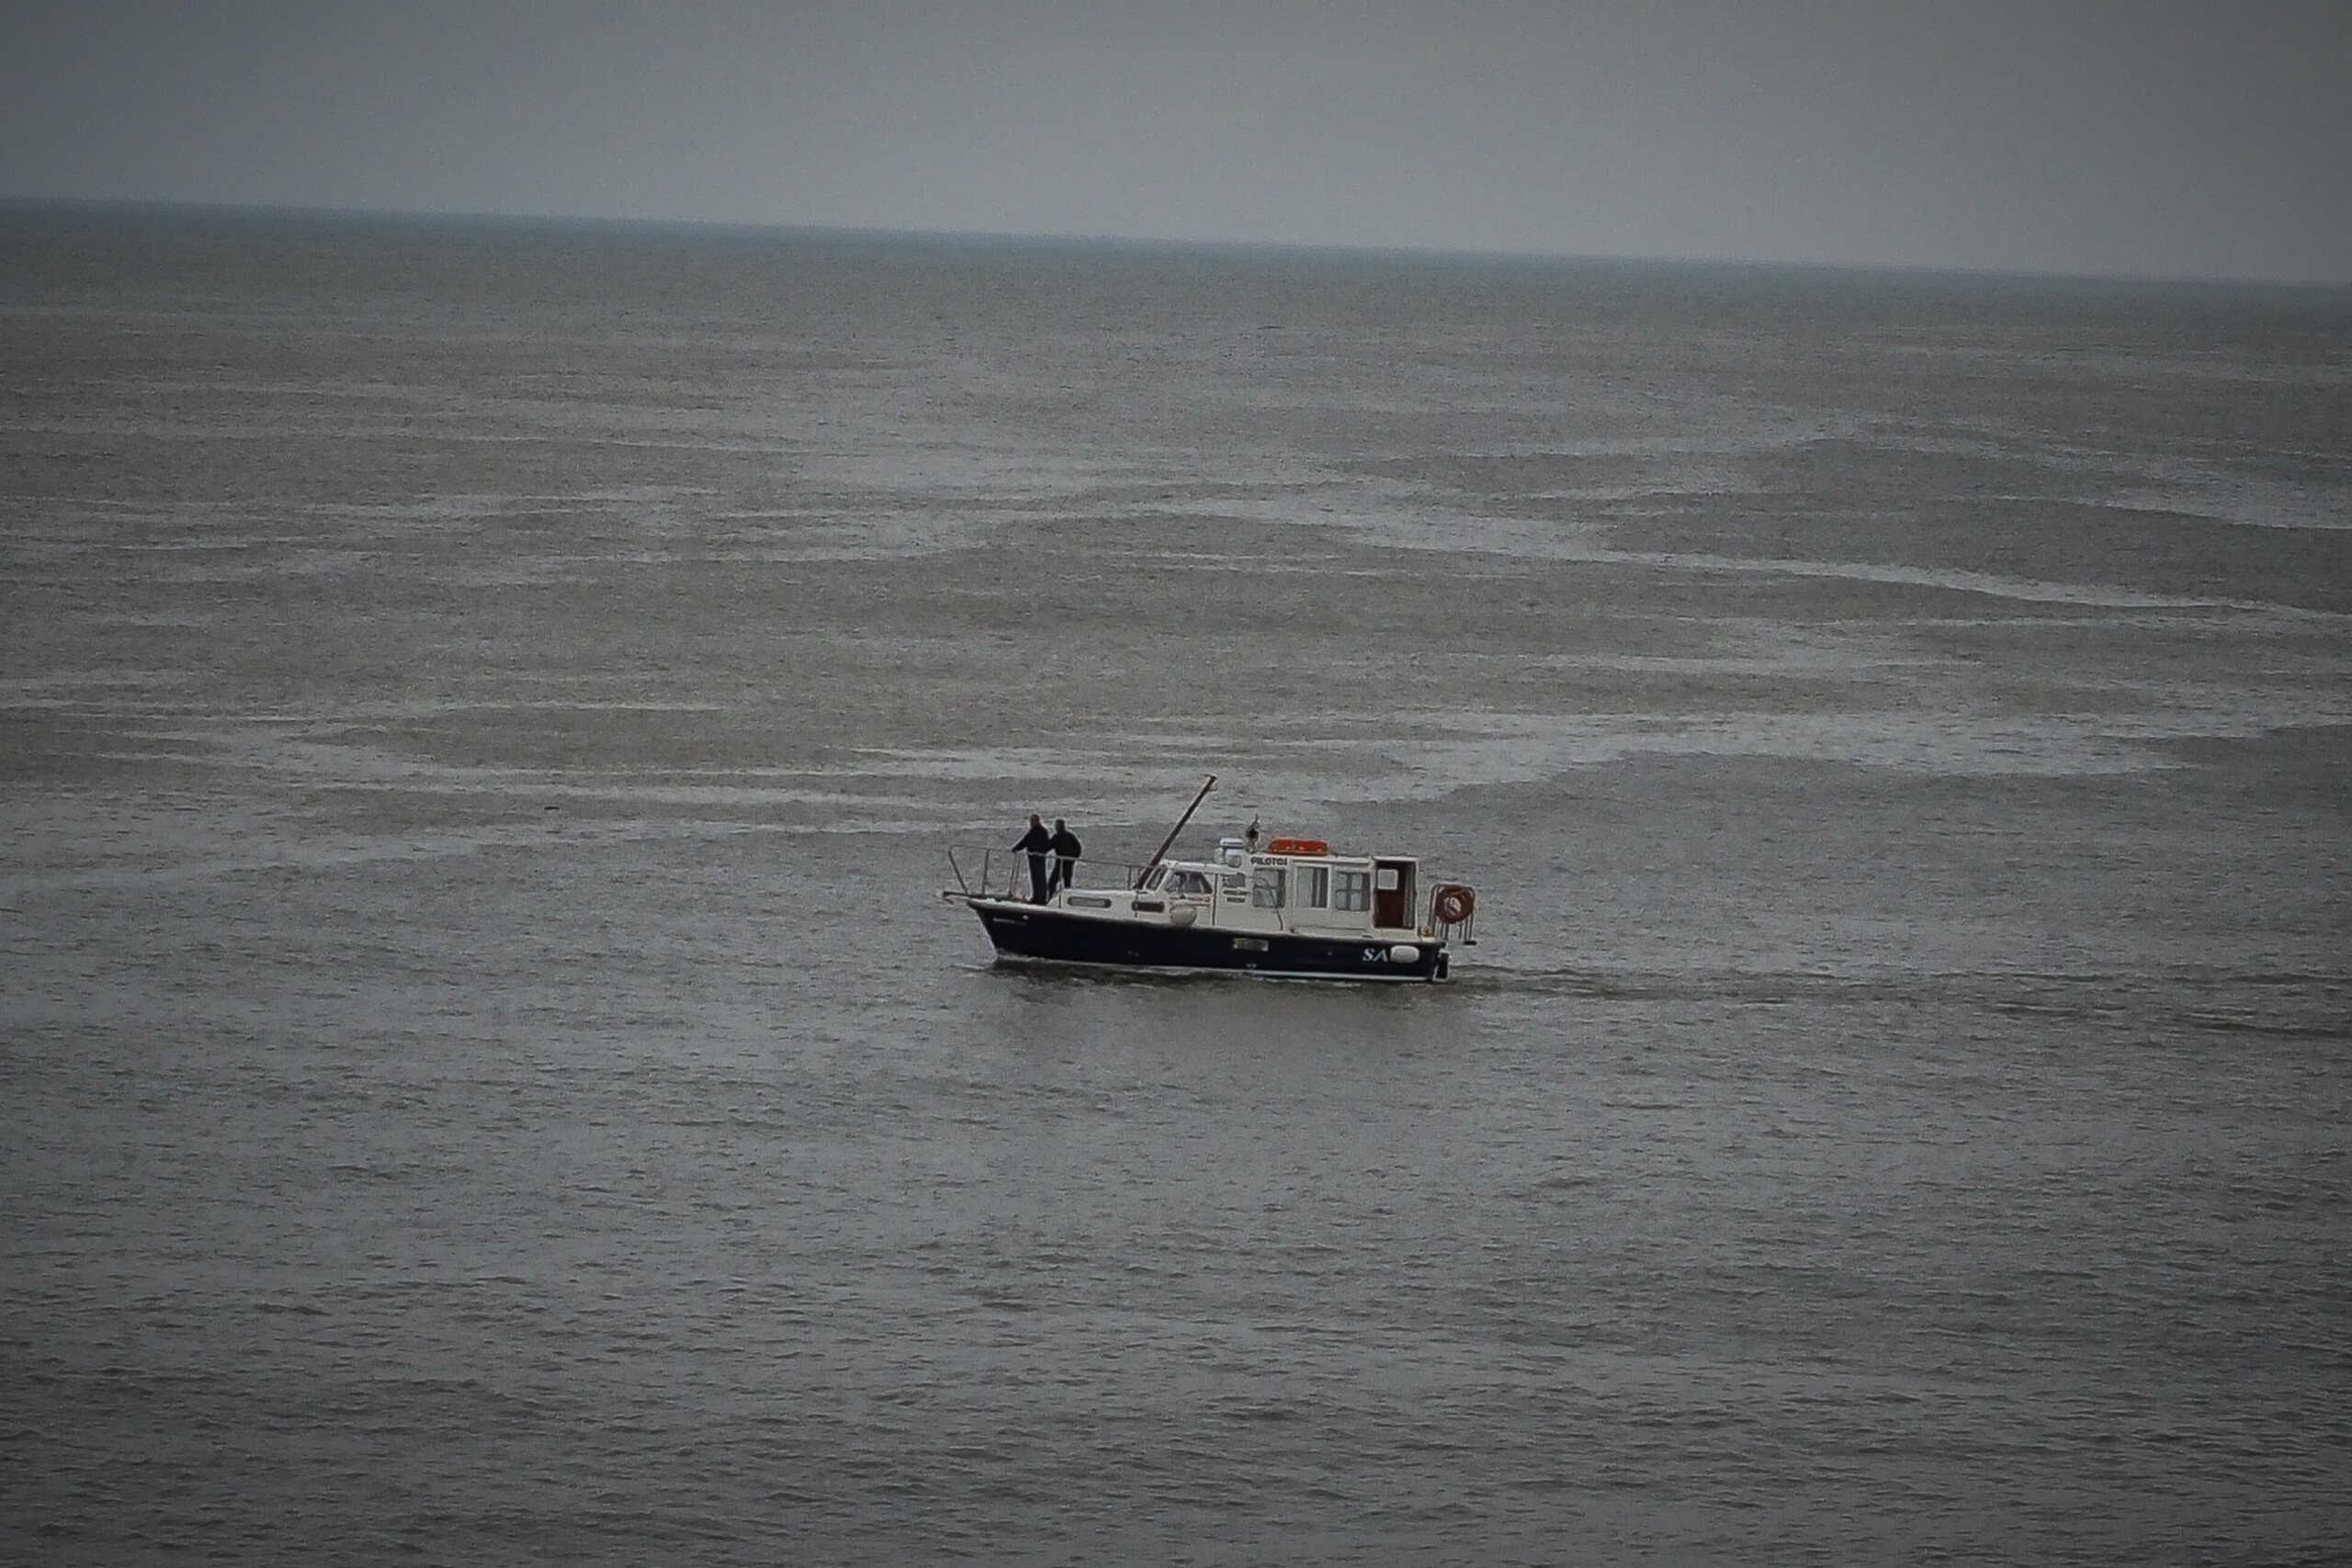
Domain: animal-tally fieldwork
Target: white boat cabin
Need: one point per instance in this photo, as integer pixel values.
(1292, 885)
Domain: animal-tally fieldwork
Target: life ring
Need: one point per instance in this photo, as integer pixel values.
(1298, 847)
(1453, 904)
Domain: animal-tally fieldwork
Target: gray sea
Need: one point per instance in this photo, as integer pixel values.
(489, 1076)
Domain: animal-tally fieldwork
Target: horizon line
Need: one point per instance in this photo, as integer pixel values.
(159, 205)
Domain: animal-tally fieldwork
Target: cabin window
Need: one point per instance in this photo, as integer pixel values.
(1151, 878)
(1189, 882)
(1266, 887)
(1314, 887)
(1351, 890)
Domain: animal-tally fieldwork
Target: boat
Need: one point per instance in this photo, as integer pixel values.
(1289, 908)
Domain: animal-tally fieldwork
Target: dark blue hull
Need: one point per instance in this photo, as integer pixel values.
(1026, 931)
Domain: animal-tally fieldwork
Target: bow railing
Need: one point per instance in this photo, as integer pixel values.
(982, 872)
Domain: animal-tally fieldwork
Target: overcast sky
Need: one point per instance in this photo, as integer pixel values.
(2169, 138)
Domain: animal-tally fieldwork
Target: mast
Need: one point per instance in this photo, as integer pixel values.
(1206, 785)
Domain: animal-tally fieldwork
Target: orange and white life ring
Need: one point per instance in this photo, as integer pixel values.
(1453, 904)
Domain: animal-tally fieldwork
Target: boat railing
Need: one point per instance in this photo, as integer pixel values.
(1453, 906)
(984, 871)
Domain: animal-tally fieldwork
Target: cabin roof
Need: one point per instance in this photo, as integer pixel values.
(1262, 857)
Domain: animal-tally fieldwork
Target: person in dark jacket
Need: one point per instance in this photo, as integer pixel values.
(1034, 844)
(1065, 849)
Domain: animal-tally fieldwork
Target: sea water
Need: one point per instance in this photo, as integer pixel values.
(490, 1076)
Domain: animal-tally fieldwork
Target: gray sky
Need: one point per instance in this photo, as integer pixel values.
(2166, 138)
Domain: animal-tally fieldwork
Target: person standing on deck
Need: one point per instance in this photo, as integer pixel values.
(1034, 844)
(1066, 849)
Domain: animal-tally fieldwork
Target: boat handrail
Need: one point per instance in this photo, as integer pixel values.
(984, 871)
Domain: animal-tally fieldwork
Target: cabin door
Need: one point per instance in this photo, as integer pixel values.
(1392, 893)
